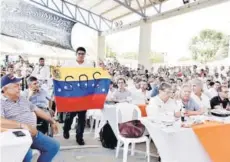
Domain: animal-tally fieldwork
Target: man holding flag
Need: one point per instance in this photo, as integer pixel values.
(77, 96)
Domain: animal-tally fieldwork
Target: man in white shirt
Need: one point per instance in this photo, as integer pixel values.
(79, 62)
(198, 96)
(10, 70)
(109, 96)
(162, 103)
(41, 72)
(213, 92)
(134, 86)
(121, 94)
(141, 96)
(21, 65)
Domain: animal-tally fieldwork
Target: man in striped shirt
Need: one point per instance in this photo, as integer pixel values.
(18, 113)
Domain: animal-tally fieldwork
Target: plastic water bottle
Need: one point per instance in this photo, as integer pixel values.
(221, 106)
(182, 114)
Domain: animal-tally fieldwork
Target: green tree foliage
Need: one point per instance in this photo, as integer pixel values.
(110, 53)
(205, 46)
(157, 57)
(129, 55)
(223, 51)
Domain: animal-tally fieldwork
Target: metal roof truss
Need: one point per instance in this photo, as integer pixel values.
(76, 14)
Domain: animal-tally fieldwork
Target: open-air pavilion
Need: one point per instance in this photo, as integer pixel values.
(105, 17)
(111, 16)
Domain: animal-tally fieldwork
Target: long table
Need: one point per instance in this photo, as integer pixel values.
(177, 144)
(206, 142)
(170, 144)
(14, 149)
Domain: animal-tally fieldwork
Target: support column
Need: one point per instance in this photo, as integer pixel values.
(229, 48)
(101, 48)
(145, 45)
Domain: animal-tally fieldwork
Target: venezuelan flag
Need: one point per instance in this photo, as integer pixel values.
(78, 89)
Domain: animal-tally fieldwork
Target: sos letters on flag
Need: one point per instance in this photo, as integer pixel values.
(79, 89)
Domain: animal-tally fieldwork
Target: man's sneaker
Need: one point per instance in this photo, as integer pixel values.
(66, 134)
(80, 141)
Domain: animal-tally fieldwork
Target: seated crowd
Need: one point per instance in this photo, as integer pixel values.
(26, 99)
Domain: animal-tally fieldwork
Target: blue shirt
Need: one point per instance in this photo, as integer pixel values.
(155, 91)
(40, 99)
(191, 105)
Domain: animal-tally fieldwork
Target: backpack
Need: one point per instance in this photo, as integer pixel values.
(107, 137)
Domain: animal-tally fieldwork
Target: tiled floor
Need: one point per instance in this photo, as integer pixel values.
(94, 152)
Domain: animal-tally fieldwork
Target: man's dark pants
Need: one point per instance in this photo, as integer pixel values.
(43, 125)
(80, 125)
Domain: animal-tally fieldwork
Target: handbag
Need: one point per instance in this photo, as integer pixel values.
(131, 129)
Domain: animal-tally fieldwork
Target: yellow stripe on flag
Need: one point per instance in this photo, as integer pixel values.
(83, 74)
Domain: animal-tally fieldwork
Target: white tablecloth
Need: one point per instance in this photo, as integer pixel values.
(14, 149)
(176, 144)
(108, 114)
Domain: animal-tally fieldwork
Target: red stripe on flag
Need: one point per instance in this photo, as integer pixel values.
(74, 104)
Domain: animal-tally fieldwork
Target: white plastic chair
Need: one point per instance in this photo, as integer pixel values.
(125, 112)
(96, 116)
(73, 125)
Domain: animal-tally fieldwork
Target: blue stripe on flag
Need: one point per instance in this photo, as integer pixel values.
(81, 88)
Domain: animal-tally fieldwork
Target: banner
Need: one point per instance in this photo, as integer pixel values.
(79, 89)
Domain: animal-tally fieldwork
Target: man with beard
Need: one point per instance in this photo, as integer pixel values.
(42, 72)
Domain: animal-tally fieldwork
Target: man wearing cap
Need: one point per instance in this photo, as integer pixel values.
(18, 113)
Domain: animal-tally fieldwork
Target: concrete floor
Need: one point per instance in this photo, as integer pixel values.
(94, 152)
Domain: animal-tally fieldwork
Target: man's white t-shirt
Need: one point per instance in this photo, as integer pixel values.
(74, 63)
(157, 107)
(41, 72)
(212, 92)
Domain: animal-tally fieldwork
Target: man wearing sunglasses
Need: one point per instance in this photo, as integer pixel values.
(79, 62)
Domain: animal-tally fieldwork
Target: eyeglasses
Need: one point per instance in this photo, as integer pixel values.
(81, 53)
(120, 82)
